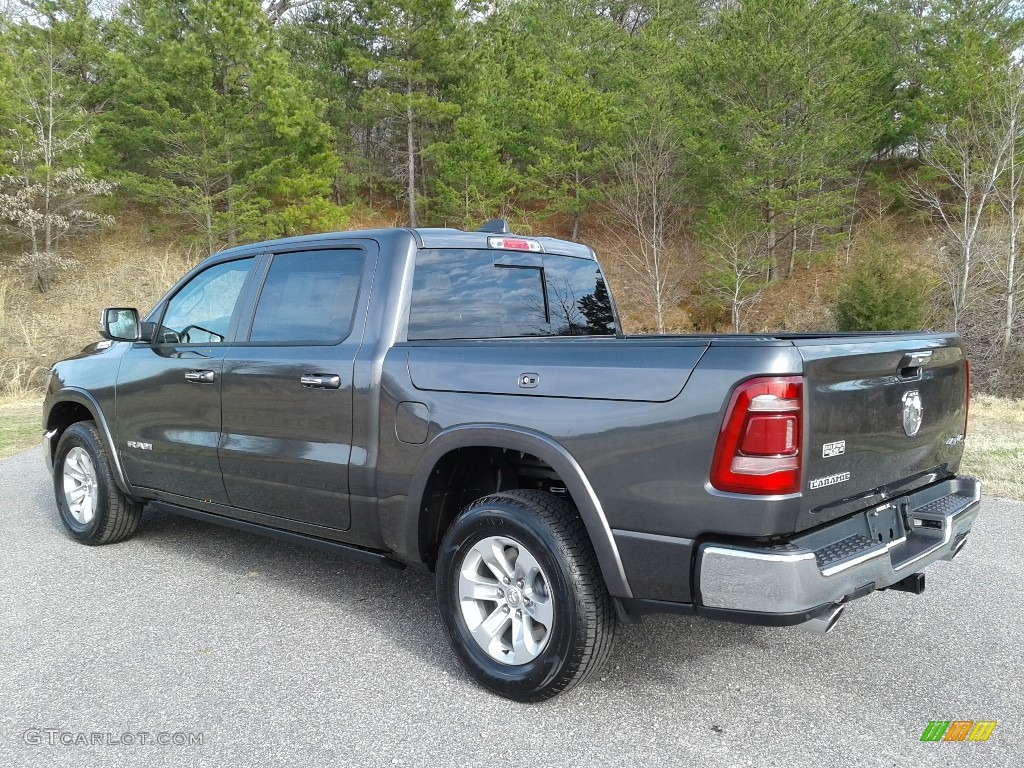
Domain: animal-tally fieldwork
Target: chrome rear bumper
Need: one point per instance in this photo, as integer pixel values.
(871, 550)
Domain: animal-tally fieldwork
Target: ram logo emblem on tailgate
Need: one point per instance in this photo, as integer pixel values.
(913, 412)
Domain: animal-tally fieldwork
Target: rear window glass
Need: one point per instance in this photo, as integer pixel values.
(464, 294)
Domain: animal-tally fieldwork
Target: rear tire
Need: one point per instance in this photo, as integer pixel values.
(521, 595)
(92, 507)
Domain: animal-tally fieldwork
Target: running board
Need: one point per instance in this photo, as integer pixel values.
(324, 545)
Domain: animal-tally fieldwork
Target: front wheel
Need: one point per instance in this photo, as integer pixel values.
(521, 595)
(92, 507)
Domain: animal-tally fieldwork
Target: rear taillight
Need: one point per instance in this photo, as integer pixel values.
(758, 449)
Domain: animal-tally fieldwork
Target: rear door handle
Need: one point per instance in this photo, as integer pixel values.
(200, 377)
(321, 381)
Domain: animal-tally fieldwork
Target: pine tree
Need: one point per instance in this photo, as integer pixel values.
(209, 121)
(553, 100)
(791, 100)
(414, 61)
(880, 295)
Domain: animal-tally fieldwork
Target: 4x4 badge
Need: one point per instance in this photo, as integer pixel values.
(913, 412)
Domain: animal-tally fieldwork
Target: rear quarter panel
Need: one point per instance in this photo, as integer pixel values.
(648, 460)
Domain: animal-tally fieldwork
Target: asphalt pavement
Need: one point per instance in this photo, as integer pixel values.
(192, 644)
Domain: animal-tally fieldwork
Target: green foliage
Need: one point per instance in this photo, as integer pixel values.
(881, 295)
(465, 109)
(964, 45)
(471, 183)
(791, 99)
(209, 121)
(786, 125)
(556, 100)
(328, 43)
(7, 106)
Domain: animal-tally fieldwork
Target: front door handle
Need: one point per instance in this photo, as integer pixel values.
(321, 380)
(200, 377)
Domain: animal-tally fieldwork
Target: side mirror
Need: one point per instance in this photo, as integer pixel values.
(120, 324)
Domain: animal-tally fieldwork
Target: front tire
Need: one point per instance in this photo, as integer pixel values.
(92, 507)
(521, 595)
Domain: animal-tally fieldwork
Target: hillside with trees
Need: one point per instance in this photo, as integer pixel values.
(741, 165)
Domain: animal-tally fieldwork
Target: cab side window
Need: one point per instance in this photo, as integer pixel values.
(309, 297)
(463, 294)
(467, 294)
(200, 313)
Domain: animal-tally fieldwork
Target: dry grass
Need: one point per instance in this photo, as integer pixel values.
(994, 450)
(19, 424)
(126, 266)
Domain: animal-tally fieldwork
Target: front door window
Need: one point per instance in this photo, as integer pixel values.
(200, 313)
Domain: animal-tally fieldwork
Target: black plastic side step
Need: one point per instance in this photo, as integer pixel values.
(324, 545)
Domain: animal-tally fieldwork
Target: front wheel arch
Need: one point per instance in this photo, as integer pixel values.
(72, 407)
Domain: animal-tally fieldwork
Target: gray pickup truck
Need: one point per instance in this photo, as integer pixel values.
(467, 401)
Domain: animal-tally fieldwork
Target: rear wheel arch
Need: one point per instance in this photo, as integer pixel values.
(467, 463)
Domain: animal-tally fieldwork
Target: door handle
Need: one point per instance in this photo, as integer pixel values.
(200, 377)
(321, 381)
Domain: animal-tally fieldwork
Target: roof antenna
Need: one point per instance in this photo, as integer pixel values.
(495, 227)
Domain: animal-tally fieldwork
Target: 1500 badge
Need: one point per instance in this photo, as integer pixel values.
(837, 448)
(822, 482)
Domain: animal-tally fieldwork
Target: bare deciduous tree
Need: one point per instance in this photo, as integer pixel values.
(43, 201)
(1010, 194)
(962, 165)
(649, 186)
(737, 259)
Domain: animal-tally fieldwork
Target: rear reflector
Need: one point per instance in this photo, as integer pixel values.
(967, 395)
(758, 448)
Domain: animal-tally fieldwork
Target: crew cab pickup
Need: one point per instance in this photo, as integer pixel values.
(467, 401)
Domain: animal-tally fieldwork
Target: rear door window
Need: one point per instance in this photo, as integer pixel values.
(308, 297)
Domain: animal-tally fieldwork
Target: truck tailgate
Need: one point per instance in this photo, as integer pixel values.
(884, 415)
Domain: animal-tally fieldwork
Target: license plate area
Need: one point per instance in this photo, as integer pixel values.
(885, 524)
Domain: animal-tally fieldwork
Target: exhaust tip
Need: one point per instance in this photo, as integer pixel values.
(824, 623)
